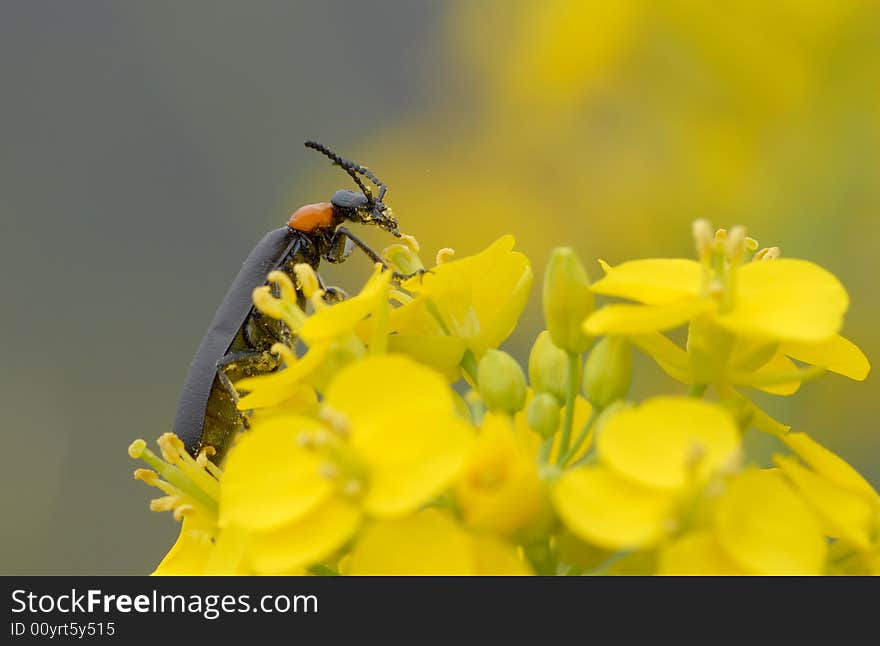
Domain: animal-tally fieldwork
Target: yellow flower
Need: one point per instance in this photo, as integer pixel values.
(499, 489)
(747, 319)
(650, 457)
(387, 442)
(467, 304)
(430, 543)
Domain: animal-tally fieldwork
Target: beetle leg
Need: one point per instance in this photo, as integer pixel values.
(341, 247)
(332, 295)
(418, 272)
(375, 257)
(343, 233)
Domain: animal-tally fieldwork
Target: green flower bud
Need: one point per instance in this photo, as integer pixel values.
(548, 367)
(542, 414)
(502, 382)
(608, 371)
(567, 300)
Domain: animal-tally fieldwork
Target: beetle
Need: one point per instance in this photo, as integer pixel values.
(238, 341)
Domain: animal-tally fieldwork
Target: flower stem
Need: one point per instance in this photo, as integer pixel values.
(581, 438)
(546, 449)
(574, 362)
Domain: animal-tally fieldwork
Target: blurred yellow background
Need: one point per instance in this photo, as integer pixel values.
(151, 146)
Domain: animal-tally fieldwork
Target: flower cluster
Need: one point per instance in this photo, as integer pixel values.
(398, 438)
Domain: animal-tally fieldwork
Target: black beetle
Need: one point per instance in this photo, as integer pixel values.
(239, 338)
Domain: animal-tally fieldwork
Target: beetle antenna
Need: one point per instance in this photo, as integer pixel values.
(352, 169)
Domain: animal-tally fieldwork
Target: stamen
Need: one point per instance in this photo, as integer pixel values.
(336, 420)
(180, 475)
(147, 476)
(768, 253)
(444, 255)
(411, 242)
(165, 503)
(284, 284)
(286, 307)
(181, 458)
(307, 278)
(733, 465)
(715, 289)
(136, 449)
(317, 300)
(287, 355)
(735, 243)
(152, 479)
(323, 438)
(328, 470)
(402, 258)
(352, 488)
(181, 511)
(751, 245)
(203, 461)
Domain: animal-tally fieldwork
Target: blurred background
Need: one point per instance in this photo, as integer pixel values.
(147, 146)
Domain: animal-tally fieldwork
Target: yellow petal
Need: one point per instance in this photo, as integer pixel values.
(778, 364)
(830, 465)
(612, 512)
(657, 281)
(697, 554)
(765, 527)
(494, 557)
(306, 541)
(672, 359)
(845, 514)
(276, 387)
(786, 300)
(331, 322)
(836, 354)
(190, 552)
(668, 441)
(404, 428)
(460, 268)
(499, 307)
(427, 544)
(294, 395)
(443, 353)
(643, 319)
(269, 479)
(228, 556)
